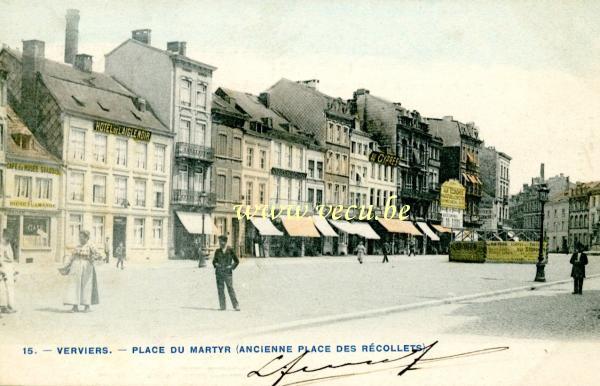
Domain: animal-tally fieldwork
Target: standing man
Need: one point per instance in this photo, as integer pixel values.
(107, 249)
(579, 260)
(7, 275)
(386, 250)
(360, 251)
(225, 261)
(120, 254)
(411, 246)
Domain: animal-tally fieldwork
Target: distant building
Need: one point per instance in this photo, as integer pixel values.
(556, 222)
(494, 172)
(581, 207)
(460, 160)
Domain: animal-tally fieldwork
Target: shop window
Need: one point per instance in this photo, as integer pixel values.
(138, 231)
(36, 232)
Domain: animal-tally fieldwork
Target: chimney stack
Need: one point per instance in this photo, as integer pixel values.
(311, 83)
(448, 118)
(265, 99)
(83, 62)
(361, 91)
(177, 47)
(33, 60)
(71, 35)
(542, 171)
(142, 35)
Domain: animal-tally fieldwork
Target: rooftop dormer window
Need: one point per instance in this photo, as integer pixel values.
(23, 141)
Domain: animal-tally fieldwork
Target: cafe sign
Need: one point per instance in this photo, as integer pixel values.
(384, 159)
(452, 195)
(27, 167)
(123, 131)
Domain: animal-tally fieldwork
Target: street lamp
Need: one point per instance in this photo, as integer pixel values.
(541, 264)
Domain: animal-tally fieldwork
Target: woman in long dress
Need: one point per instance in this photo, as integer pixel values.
(7, 276)
(82, 288)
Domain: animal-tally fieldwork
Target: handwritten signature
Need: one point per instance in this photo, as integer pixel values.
(412, 359)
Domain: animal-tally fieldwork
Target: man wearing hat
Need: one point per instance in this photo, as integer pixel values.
(225, 261)
(579, 260)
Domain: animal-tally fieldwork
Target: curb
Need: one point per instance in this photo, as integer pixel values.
(314, 322)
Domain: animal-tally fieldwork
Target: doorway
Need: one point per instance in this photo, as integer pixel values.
(119, 233)
(13, 230)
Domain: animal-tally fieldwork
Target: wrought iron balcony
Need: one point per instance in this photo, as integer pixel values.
(418, 193)
(195, 198)
(193, 151)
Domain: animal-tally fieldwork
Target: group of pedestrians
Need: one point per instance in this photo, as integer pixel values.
(361, 251)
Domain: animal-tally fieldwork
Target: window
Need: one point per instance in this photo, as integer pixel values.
(43, 188)
(262, 193)
(140, 192)
(344, 168)
(75, 224)
(338, 165)
(77, 144)
(184, 131)
(159, 194)
(185, 92)
(76, 186)
(121, 191)
(199, 133)
(121, 152)
(353, 147)
(157, 231)
(311, 196)
(99, 189)
(141, 152)
(290, 155)
(249, 189)
(201, 96)
(336, 194)
(278, 154)
(138, 231)
(235, 189)
(249, 157)
(221, 186)
(1, 184)
(311, 168)
(319, 197)
(1, 129)
(222, 144)
(159, 158)
(237, 147)
(98, 230)
(319, 169)
(263, 159)
(100, 148)
(36, 232)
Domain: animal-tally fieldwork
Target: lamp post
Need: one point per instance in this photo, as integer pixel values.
(203, 253)
(541, 264)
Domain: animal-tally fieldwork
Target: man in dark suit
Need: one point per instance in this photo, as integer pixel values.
(225, 261)
(579, 260)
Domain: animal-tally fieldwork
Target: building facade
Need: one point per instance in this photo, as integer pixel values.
(581, 207)
(556, 222)
(494, 208)
(180, 94)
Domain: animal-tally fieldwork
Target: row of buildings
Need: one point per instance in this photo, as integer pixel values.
(151, 154)
(571, 215)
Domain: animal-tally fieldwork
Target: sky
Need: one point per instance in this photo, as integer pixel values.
(526, 72)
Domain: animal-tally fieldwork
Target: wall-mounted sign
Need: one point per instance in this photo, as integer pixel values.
(124, 131)
(384, 159)
(33, 168)
(452, 195)
(20, 203)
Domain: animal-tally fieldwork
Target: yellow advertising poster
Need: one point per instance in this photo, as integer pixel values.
(452, 195)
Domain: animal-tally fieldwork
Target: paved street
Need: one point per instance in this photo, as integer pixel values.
(175, 304)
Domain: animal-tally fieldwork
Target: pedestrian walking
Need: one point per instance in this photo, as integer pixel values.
(7, 276)
(579, 260)
(107, 249)
(411, 247)
(120, 254)
(225, 262)
(386, 250)
(360, 251)
(82, 288)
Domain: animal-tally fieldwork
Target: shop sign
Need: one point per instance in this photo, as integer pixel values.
(124, 131)
(20, 203)
(384, 159)
(452, 195)
(26, 167)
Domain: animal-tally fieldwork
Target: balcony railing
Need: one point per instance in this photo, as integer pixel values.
(192, 197)
(422, 193)
(193, 151)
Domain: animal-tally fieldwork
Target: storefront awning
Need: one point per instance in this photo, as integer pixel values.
(398, 226)
(344, 226)
(300, 226)
(364, 229)
(265, 226)
(425, 228)
(441, 229)
(323, 226)
(192, 222)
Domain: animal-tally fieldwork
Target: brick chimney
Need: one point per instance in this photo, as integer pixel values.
(33, 60)
(142, 35)
(177, 47)
(542, 171)
(311, 83)
(448, 118)
(265, 99)
(71, 35)
(83, 62)
(360, 91)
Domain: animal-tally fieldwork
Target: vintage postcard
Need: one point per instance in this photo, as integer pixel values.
(268, 193)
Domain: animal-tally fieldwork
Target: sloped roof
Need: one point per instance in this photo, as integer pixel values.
(304, 106)
(16, 127)
(221, 104)
(447, 130)
(97, 93)
(254, 108)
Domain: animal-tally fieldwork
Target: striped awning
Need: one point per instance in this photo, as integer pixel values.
(323, 226)
(265, 226)
(441, 229)
(425, 228)
(394, 225)
(361, 229)
(300, 226)
(192, 222)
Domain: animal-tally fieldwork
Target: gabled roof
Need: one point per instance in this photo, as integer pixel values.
(18, 130)
(95, 95)
(171, 54)
(221, 104)
(447, 130)
(304, 106)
